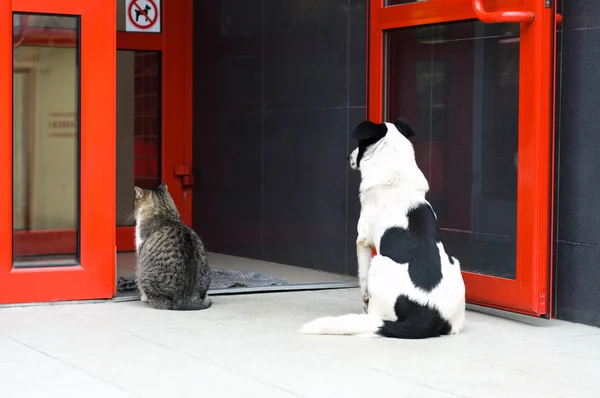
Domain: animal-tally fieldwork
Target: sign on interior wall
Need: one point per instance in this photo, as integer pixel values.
(142, 16)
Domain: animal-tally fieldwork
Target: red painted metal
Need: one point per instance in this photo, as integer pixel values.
(557, 21)
(529, 292)
(60, 7)
(139, 41)
(177, 101)
(94, 277)
(500, 16)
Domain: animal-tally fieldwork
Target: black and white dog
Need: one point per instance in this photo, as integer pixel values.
(411, 289)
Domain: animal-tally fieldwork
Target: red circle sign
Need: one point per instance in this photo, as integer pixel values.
(142, 13)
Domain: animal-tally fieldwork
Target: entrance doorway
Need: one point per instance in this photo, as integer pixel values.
(477, 85)
(66, 174)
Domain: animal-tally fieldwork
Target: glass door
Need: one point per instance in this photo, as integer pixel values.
(57, 79)
(475, 78)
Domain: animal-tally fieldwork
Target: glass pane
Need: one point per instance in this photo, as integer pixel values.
(458, 84)
(138, 127)
(45, 140)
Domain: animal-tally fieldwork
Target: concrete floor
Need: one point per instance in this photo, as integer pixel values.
(248, 346)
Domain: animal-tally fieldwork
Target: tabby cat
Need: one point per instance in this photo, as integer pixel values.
(172, 268)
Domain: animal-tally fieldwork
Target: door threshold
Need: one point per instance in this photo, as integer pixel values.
(263, 289)
(216, 292)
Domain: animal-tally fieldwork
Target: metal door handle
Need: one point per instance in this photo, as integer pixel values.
(500, 16)
(559, 18)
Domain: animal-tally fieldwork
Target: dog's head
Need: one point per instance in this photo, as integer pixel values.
(374, 138)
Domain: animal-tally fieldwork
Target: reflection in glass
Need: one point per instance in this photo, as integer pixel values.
(45, 140)
(138, 126)
(458, 84)
(121, 18)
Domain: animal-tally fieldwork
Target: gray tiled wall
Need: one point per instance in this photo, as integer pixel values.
(577, 259)
(277, 86)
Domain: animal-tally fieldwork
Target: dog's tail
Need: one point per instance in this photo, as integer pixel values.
(419, 325)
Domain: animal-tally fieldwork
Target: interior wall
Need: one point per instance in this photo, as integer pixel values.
(125, 116)
(278, 85)
(577, 245)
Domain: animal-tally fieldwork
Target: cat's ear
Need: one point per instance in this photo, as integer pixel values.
(164, 187)
(139, 192)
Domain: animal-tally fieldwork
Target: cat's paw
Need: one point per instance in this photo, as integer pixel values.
(144, 298)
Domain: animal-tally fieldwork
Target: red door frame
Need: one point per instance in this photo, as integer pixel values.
(175, 44)
(530, 292)
(95, 276)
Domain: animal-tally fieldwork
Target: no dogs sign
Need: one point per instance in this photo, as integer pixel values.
(142, 16)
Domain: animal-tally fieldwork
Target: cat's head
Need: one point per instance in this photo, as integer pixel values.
(153, 202)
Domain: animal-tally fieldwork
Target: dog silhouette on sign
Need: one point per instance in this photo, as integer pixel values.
(143, 12)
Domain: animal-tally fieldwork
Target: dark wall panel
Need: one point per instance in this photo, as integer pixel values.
(277, 85)
(580, 14)
(304, 187)
(305, 53)
(357, 52)
(579, 218)
(577, 276)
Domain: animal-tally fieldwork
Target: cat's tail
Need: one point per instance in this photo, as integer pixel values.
(198, 303)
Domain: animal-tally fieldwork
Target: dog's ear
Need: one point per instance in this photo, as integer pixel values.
(404, 127)
(369, 130)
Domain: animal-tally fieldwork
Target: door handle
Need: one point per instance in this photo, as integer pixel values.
(500, 16)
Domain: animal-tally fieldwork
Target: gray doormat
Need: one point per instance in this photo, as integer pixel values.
(220, 279)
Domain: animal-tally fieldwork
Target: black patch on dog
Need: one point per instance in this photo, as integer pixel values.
(404, 127)
(414, 321)
(367, 133)
(417, 246)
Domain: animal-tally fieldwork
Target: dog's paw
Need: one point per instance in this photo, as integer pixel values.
(365, 299)
(365, 306)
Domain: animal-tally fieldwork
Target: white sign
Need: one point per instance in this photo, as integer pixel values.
(142, 16)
